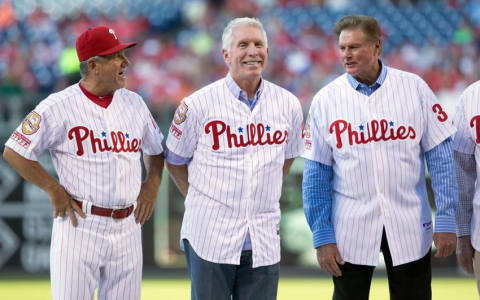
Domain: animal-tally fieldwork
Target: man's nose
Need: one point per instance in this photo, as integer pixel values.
(347, 53)
(126, 61)
(251, 49)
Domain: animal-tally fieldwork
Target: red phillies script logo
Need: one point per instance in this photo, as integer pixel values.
(256, 135)
(475, 121)
(119, 142)
(374, 131)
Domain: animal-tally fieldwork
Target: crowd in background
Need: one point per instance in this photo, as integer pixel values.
(180, 43)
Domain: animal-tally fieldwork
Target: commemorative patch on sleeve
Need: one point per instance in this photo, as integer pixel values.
(180, 114)
(306, 128)
(31, 123)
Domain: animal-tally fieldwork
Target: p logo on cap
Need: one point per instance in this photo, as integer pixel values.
(99, 40)
(113, 32)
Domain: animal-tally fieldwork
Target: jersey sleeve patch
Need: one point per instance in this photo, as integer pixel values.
(180, 114)
(175, 131)
(20, 139)
(31, 123)
(307, 134)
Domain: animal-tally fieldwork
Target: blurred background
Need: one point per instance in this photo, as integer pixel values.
(179, 51)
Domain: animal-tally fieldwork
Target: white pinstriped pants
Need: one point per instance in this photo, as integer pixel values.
(99, 253)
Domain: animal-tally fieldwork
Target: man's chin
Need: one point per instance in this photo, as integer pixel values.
(254, 75)
(121, 84)
(351, 71)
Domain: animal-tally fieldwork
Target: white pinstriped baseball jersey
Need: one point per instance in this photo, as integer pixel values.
(235, 176)
(467, 121)
(375, 145)
(95, 150)
(96, 153)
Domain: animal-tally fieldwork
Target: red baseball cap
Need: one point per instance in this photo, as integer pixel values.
(99, 40)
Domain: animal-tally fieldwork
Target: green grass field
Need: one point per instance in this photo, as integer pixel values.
(298, 288)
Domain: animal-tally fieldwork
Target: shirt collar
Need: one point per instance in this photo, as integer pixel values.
(380, 80)
(238, 92)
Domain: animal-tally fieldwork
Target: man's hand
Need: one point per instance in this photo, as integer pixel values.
(329, 258)
(33, 172)
(465, 253)
(62, 203)
(445, 243)
(145, 203)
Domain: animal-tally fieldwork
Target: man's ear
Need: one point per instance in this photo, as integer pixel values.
(226, 56)
(378, 47)
(92, 65)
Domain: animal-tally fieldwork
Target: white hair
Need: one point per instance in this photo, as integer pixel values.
(245, 21)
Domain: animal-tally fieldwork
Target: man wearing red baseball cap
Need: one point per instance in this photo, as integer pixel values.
(102, 61)
(95, 131)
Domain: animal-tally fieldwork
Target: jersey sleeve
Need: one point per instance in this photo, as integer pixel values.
(152, 135)
(295, 142)
(464, 141)
(37, 132)
(438, 125)
(183, 134)
(315, 134)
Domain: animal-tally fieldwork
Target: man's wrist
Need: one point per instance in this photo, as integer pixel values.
(52, 187)
(151, 186)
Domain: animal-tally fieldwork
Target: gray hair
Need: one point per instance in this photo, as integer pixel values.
(84, 65)
(84, 68)
(245, 21)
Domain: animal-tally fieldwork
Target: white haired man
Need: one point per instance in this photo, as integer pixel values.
(229, 146)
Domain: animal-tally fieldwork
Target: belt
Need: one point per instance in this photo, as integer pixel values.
(108, 212)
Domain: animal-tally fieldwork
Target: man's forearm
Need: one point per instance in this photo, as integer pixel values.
(31, 170)
(286, 166)
(179, 175)
(154, 167)
(444, 185)
(465, 168)
(317, 201)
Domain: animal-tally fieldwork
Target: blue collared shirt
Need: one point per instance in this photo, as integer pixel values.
(241, 94)
(368, 89)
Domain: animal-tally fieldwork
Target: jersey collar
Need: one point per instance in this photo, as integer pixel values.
(102, 101)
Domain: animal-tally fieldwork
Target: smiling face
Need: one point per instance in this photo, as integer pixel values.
(359, 55)
(110, 71)
(248, 54)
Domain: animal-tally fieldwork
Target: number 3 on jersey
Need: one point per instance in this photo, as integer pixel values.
(442, 115)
